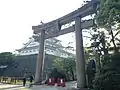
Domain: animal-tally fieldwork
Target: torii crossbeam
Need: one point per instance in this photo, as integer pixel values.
(53, 29)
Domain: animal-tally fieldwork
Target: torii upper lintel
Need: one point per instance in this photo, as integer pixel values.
(87, 9)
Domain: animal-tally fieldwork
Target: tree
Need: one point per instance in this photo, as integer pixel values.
(108, 13)
(6, 60)
(101, 45)
(108, 17)
(108, 77)
(67, 65)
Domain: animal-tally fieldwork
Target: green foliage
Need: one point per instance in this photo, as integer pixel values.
(109, 76)
(108, 17)
(57, 74)
(105, 59)
(109, 13)
(67, 65)
(64, 63)
(87, 54)
(6, 58)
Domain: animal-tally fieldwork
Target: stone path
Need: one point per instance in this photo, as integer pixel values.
(11, 87)
(36, 87)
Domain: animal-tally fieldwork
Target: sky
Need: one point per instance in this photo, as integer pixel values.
(18, 16)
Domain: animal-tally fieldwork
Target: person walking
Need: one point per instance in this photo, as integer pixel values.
(24, 79)
(31, 79)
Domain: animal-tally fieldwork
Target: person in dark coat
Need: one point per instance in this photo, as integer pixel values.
(24, 79)
(31, 79)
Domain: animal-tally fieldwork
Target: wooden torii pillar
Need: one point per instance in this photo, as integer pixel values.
(54, 27)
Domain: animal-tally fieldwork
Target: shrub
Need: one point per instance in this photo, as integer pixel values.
(108, 78)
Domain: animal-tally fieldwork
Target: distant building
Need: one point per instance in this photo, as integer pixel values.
(52, 46)
(26, 58)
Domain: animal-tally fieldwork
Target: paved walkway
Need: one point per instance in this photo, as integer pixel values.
(11, 87)
(36, 87)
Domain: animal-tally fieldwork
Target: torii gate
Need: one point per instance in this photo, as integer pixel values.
(53, 29)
